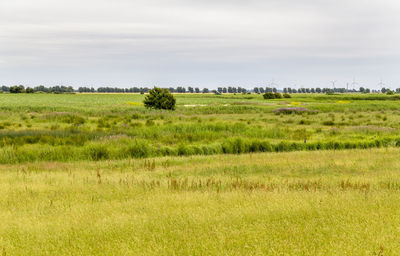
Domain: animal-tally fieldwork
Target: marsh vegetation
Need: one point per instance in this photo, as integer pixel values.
(99, 174)
(42, 127)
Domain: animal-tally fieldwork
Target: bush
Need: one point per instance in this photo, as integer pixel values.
(160, 99)
(287, 96)
(269, 95)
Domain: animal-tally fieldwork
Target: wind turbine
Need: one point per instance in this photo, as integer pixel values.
(273, 85)
(333, 82)
(354, 83)
(381, 84)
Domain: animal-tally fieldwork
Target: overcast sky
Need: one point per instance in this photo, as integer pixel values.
(204, 43)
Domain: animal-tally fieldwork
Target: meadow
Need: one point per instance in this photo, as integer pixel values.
(46, 127)
(98, 174)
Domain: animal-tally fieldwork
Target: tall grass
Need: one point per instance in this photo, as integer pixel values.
(126, 149)
(97, 127)
(297, 203)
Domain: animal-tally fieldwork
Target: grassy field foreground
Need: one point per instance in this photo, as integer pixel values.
(298, 203)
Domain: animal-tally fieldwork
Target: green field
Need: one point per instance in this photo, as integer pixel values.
(98, 174)
(45, 127)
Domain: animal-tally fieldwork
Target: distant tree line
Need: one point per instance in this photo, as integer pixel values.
(181, 89)
(41, 88)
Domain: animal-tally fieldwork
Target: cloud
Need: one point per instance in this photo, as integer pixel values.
(198, 42)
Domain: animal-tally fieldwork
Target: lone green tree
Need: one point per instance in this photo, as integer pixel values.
(160, 99)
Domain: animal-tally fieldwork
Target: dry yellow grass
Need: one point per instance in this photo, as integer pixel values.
(299, 203)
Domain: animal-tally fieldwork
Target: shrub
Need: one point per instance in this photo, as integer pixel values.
(160, 99)
(269, 95)
(287, 96)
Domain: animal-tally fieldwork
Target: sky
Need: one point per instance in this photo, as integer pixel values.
(200, 43)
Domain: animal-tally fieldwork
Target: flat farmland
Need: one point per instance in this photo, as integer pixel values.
(98, 174)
